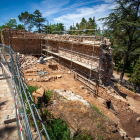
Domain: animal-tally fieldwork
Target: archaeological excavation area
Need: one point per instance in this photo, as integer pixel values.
(78, 69)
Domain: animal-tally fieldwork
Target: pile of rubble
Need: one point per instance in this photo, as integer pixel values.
(69, 95)
(27, 61)
(44, 78)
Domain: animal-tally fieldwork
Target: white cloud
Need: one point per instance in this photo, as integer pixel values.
(109, 1)
(49, 7)
(98, 11)
(57, 11)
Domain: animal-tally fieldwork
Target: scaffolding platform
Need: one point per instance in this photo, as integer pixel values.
(74, 61)
(48, 58)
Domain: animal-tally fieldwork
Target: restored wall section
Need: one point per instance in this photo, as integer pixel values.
(31, 43)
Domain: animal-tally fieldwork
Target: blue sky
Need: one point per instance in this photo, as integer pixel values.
(56, 11)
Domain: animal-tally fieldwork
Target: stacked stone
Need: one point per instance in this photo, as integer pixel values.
(5, 36)
(107, 64)
(23, 42)
(74, 38)
(27, 61)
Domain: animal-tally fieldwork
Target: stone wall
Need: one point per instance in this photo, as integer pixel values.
(62, 45)
(22, 42)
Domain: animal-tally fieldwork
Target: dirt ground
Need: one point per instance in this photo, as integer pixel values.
(126, 112)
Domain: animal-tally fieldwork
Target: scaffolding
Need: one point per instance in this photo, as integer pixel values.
(91, 62)
(91, 82)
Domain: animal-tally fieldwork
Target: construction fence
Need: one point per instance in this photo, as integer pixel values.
(24, 105)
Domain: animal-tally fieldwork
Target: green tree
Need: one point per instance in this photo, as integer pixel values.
(11, 24)
(77, 25)
(20, 26)
(23, 17)
(83, 23)
(27, 19)
(30, 22)
(124, 22)
(91, 24)
(135, 77)
(54, 27)
(38, 20)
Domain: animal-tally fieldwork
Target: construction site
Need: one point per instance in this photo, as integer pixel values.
(78, 70)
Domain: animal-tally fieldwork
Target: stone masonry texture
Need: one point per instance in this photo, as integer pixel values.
(31, 43)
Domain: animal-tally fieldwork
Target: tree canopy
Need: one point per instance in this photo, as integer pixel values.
(135, 77)
(38, 20)
(11, 24)
(84, 24)
(23, 17)
(27, 19)
(54, 27)
(124, 26)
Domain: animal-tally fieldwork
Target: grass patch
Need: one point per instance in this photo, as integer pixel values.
(97, 109)
(58, 130)
(100, 137)
(32, 89)
(83, 136)
(48, 96)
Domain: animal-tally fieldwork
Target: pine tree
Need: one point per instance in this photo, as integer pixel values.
(124, 22)
(135, 77)
(30, 22)
(38, 20)
(24, 18)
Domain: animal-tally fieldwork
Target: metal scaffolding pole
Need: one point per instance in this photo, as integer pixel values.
(72, 47)
(59, 48)
(92, 63)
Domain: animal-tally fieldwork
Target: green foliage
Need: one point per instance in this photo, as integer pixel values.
(100, 137)
(124, 26)
(30, 22)
(20, 26)
(26, 18)
(58, 130)
(48, 95)
(46, 112)
(135, 77)
(97, 109)
(82, 136)
(50, 29)
(32, 89)
(84, 24)
(23, 17)
(11, 24)
(38, 20)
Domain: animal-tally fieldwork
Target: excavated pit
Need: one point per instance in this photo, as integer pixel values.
(112, 104)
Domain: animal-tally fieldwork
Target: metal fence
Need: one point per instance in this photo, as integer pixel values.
(25, 107)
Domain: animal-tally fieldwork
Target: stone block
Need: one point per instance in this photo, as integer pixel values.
(9, 118)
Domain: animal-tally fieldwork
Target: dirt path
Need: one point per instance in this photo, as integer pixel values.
(7, 131)
(117, 75)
